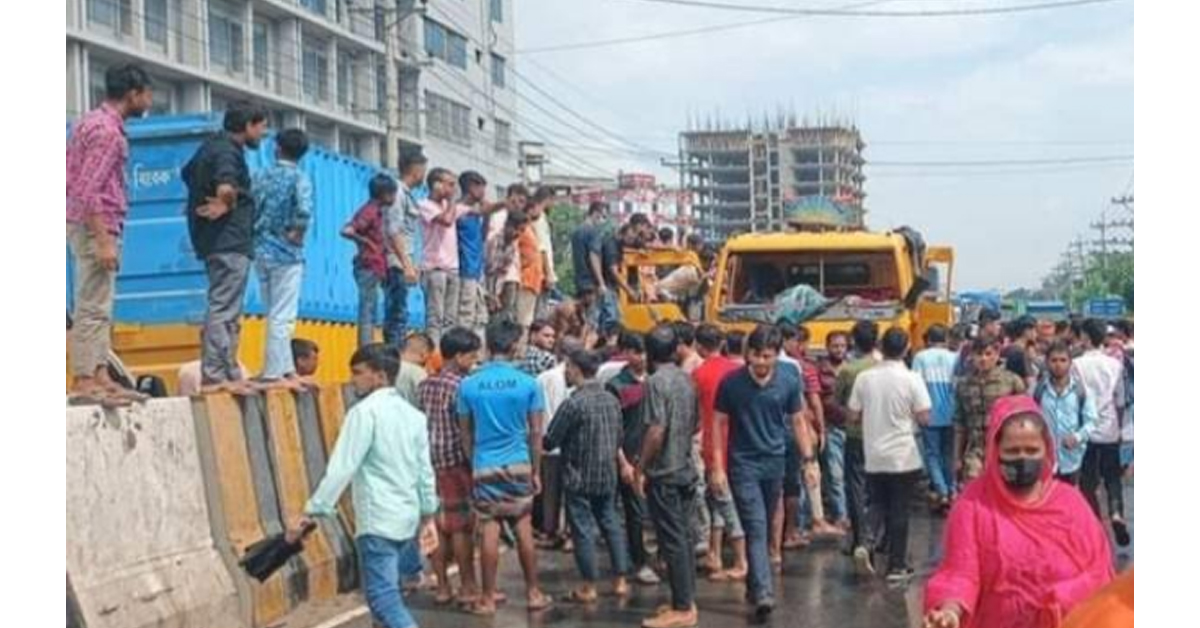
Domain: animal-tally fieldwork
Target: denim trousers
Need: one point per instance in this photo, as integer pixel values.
(756, 496)
(635, 520)
(833, 473)
(395, 308)
(590, 516)
(368, 300)
(280, 285)
(385, 564)
(937, 449)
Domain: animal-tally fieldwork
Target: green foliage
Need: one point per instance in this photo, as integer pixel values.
(563, 221)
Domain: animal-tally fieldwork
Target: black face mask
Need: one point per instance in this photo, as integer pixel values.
(1021, 472)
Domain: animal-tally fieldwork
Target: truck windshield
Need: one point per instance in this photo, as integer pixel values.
(757, 278)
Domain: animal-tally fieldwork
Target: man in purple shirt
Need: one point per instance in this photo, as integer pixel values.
(96, 205)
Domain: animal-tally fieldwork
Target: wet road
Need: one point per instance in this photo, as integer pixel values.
(818, 589)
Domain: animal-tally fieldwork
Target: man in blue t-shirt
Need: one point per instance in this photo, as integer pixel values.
(502, 409)
(471, 310)
(762, 403)
(936, 364)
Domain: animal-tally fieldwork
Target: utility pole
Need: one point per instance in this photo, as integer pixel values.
(394, 16)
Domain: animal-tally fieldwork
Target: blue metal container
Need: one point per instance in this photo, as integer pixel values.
(161, 281)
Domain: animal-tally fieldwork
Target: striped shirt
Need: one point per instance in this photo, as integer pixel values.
(936, 366)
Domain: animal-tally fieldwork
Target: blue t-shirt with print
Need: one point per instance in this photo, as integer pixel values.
(499, 398)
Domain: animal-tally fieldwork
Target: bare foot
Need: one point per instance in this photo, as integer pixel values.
(825, 529)
(737, 573)
(621, 587)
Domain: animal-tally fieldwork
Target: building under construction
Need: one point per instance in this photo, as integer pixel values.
(746, 179)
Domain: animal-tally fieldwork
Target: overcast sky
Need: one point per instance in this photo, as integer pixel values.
(1044, 85)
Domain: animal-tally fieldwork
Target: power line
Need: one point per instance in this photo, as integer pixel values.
(619, 41)
(1005, 162)
(776, 10)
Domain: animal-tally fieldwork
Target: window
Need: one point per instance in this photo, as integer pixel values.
(447, 119)
(115, 15)
(445, 44)
(410, 118)
(155, 22)
(345, 79)
(497, 10)
(226, 42)
(316, 6)
(262, 52)
(316, 70)
(498, 70)
(322, 134)
(381, 88)
(380, 23)
(503, 137)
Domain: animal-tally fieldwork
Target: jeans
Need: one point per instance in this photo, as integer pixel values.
(368, 296)
(441, 301)
(701, 518)
(671, 507)
(589, 516)
(893, 493)
(395, 308)
(280, 284)
(1102, 461)
(385, 563)
(635, 521)
(756, 498)
(609, 314)
(937, 447)
(228, 274)
(833, 472)
(857, 498)
(91, 335)
(725, 516)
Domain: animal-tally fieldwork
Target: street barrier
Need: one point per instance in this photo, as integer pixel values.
(239, 518)
(140, 548)
(336, 530)
(331, 408)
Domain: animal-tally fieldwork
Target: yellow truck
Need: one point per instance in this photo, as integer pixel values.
(891, 278)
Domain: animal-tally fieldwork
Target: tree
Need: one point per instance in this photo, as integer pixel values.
(564, 219)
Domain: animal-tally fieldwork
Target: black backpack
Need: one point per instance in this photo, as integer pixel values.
(1043, 385)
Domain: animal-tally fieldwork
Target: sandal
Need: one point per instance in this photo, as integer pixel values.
(541, 603)
(575, 597)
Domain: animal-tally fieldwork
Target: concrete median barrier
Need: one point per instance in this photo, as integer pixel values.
(140, 549)
(242, 499)
(336, 530)
(331, 409)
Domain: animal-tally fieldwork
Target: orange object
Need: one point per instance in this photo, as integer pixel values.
(1110, 607)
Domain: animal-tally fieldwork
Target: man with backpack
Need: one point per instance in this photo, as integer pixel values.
(1070, 412)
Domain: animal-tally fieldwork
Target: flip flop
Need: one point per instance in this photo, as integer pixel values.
(439, 600)
(475, 609)
(1121, 531)
(718, 576)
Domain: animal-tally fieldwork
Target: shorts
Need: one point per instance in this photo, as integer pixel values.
(503, 492)
(454, 486)
(724, 514)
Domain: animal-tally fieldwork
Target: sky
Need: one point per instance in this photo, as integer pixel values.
(1045, 85)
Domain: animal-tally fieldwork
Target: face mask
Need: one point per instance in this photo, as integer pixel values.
(1021, 472)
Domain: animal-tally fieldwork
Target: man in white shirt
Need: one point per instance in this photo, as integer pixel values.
(539, 205)
(891, 401)
(1103, 379)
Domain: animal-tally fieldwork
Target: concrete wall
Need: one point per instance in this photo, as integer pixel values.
(140, 550)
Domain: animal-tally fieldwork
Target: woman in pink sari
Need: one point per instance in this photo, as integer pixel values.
(1021, 548)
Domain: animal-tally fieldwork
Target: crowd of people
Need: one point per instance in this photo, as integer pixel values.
(511, 416)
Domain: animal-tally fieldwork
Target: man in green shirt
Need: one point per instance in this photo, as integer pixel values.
(384, 449)
(865, 335)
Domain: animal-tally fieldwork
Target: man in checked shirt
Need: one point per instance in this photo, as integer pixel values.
(96, 206)
(438, 397)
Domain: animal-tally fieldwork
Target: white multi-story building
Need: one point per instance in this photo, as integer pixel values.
(321, 65)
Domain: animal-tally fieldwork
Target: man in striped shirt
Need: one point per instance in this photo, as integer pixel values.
(97, 152)
(935, 364)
